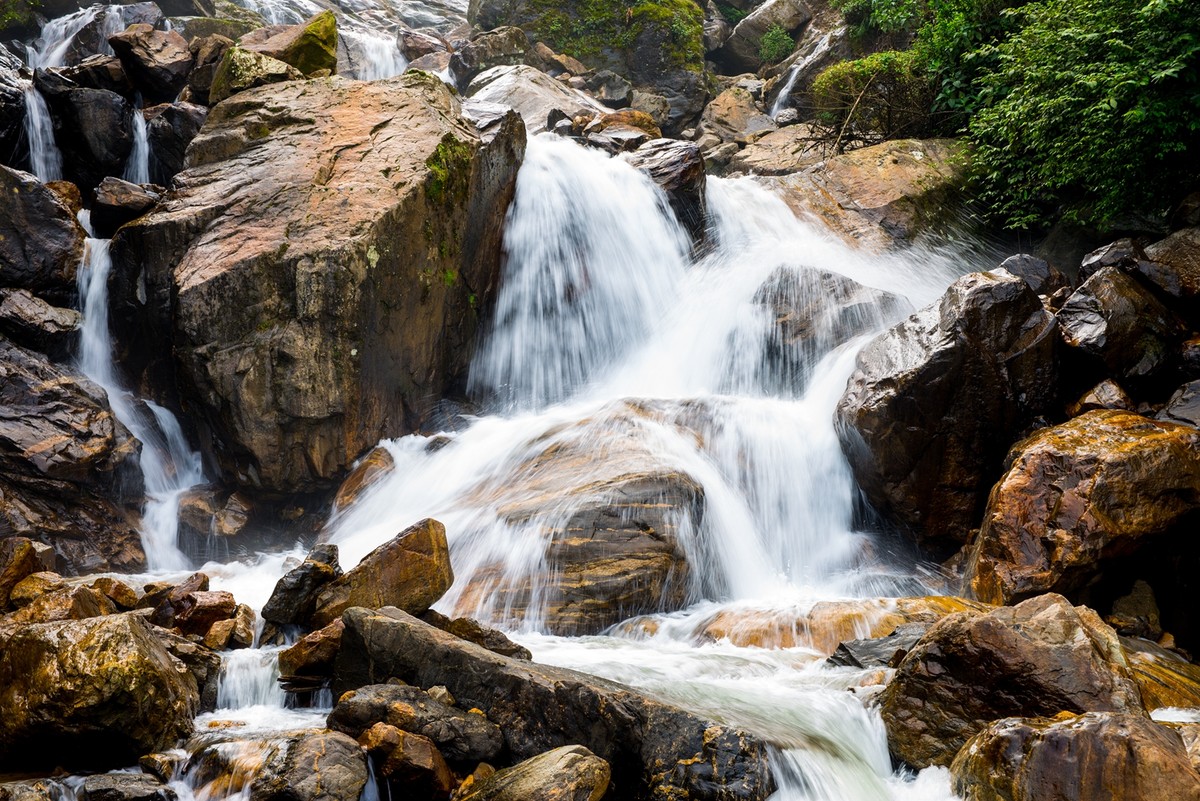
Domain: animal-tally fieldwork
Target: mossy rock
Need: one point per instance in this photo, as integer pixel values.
(315, 48)
(242, 69)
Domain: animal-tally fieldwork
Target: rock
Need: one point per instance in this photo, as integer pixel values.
(740, 52)
(203, 663)
(117, 591)
(653, 749)
(196, 612)
(471, 630)
(532, 94)
(414, 44)
(41, 242)
(678, 169)
(314, 766)
(409, 760)
(935, 401)
(289, 386)
(91, 692)
(610, 89)
(91, 126)
(433, 63)
(33, 323)
(158, 62)
(310, 46)
(1041, 277)
(295, 595)
(503, 47)
(208, 52)
(1116, 320)
(1108, 394)
(1164, 678)
(571, 772)
(119, 202)
(411, 571)
(232, 633)
(1183, 406)
(465, 737)
(1136, 613)
(242, 69)
(18, 560)
(313, 654)
(370, 469)
(780, 152)
(1040, 657)
(35, 585)
(882, 196)
(1097, 755)
(884, 652)
(716, 27)
(1124, 254)
(734, 116)
(13, 149)
(1075, 496)
(66, 466)
(163, 766)
(124, 787)
(1178, 254)
(68, 603)
(163, 597)
(170, 129)
(101, 72)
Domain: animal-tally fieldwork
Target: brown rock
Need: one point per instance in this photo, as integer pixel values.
(1179, 253)
(157, 61)
(570, 772)
(781, 152)
(740, 52)
(68, 603)
(472, 630)
(411, 572)
(35, 585)
(1163, 677)
(313, 654)
(310, 46)
(1092, 756)
(371, 468)
(207, 52)
(235, 632)
(414, 44)
(119, 202)
(125, 787)
(41, 242)
(1041, 657)
(410, 760)
(1105, 395)
(196, 612)
(117, 591)
(33, 323)
(17, 560)
(734, 116)
(1095, 488)
(294, 598)
(312, 766)
(501, 47)
(678, 169)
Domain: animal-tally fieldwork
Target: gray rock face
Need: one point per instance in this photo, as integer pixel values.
(158, 62)
(655, 750)
(125, 787)
(313, 766)
(935, 402)
(32, 322)
(295, 595)
(739, 53)
(570, 772)
(92, 128)
(170, 129)
(531, 93)
(1184, 405)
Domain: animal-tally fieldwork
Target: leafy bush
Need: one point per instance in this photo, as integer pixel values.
(882, 96)
(1092, 111)
(776, 45)
(885, 16)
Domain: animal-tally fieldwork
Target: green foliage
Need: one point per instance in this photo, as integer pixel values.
(776, 45)
(599, 29)
(449, 171)
(885, 16)
(18, 14)
(882, 96)
(1092, 111)
(732, 14)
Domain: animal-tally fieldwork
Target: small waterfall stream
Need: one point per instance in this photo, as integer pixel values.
(137, 166)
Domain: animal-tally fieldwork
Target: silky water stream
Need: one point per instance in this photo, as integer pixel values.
(613, 339)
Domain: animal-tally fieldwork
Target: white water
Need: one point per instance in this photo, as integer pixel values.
(169, 466)
(137, 165)
(819, 48)
(45, 158)
(374, 57)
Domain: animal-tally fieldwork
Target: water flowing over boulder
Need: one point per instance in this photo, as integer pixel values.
(318, 289)
(1097, 755)
(96, 692)
(570, 772)
(67, 465)
(1079, 496)
(935, 401)
(41, 242)
(1040, 657)
(655, 750)
(678, 169)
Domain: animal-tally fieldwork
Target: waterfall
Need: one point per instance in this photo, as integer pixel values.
(169, 466)
(45, 158)
(374, 57)
(137, 166)
(819, 49)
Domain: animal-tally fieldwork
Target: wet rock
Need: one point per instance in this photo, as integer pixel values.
(1178, 257)
(678, 169)
(18, 560)
(100, 691)
(935, 401)
(1041, 277)
(315, 766)
(232, 633)
(371, 468)
(1040, 657)
(883, 196)
(781, 152)
(310, 47)
(242, 69)
(1124, 254)
(653, 749)
(571, 772)
(33, 323)
(740, 52)
(1097, 755)
(287, 381)
(101, 72)
(203, 663)
(158, 62)
(68, 603)
(466, 737)
(734, 116)
(1094, 489)
(472, 630)
(610, 89)
(414, 44)
(411, 571)
(117, 591)
(1136, 613)
(434, 63)
(92, 127)
(67, 466)
(170, 129)
(41, 242)
(1116, 320)
(294, 598)
(35, 585)
(531, 93)
(503, 47)
(124, 787)
(118, 202)
(1108, 394)
(1182, 407)
(313, 655)
(875, 652)
(163, 596)
(1164, 678)
(207, 53)
(196, 612)
(409, 760)
(13, 148)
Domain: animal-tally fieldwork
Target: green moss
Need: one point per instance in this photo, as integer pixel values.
(18, 14)
(604, 31)
(449, 171)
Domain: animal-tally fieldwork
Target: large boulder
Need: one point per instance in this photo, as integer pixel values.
(125, 787)
(1040, 657)
(740, 52)
(734, 116)
(503, 47)
(294, 598)
(96, 692)
(241, 69)
(411, 571)
(1080, 496)
(33, 323)
(935, 402)
(570, 772)
(531, 93)
(1178, 257)
(657, 45)
(310, 47)
(158, 62)
(655, 750)
(117, 202)
(678, 169)
(314, 766)
(68, 469)
(170, 129)
(41, 242)
(93, 128)
(361, 263)
(1092, 756)
(18, 560)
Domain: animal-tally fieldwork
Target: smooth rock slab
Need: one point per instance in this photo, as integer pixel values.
(569, 773)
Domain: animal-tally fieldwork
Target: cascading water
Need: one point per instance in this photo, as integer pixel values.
(374, 57)
(45, 158)
(137, 166)
(611, 346)
(169, 466)
(819, 48)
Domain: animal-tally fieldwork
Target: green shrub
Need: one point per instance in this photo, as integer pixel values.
(1092, 112)
(776, 45)
(884, 16)
(882, 96)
